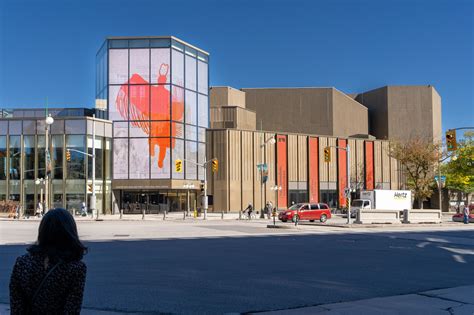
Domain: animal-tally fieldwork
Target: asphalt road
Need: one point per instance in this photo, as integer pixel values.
(257, 273)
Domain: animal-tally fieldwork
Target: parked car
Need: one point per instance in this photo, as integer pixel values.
(306, 211)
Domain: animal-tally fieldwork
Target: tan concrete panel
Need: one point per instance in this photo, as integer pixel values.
(353, 149)
(209, 152)
(437, 131)
(378, 163)
(221, 189)
(385, 162)
(333, 164)
(236, 97)
(248, 166)
(323, 166)
(349, 116)
(302, 158)
(234, 151)
(292, 158)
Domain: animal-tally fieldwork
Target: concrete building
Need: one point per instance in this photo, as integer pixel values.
(403, 112)
(323, 111)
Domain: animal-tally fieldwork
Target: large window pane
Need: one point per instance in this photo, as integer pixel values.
(139, 108)
(178, 153)
(191, 155)
(121, 129)
(139, 154)
(140, 65)
(118, 102)
(203, 111)
(3, 158)
(160, 157)
(177, 130)
(202, 134)
(160, 102)
(178, 104)
(190, 73)
(203, 84)
(76, 167)
(15, 157)
(191, 132)
(118, 66)
(191, 108)
(98, 161)
(139, 129)
(201, 159)
(108, 159)
(160, 129)
(57, 156)
(178, 67)
(160, 65)
(120, 158)
(29, 149)
(41, 148)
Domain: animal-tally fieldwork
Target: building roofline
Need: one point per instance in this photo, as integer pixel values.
(159, 37)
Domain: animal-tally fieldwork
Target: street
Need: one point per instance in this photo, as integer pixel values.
(230, 266)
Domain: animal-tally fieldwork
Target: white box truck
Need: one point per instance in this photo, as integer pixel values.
(381, 199)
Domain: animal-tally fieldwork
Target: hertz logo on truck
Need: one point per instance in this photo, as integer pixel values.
(400, 195)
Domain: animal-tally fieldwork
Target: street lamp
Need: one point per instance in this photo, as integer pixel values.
(187, 187)
(40, 181)
(261, 166)
(47, 161)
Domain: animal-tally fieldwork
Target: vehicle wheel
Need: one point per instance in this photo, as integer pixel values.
(323, 218)
(311, 220)
(283, 220)
(295, 218)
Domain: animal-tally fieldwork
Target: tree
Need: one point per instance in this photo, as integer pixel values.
(418, 158)
(459, 170)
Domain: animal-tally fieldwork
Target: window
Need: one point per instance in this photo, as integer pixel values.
(323, 206)
(203, 83)
(3, 158)
(314, 206)
(203, 111)
(190, 73)
(76, 166)
(120, 158)
(29, 153)
(305, 207)
(139, 157)
(191, 109)
(118, 66)
(178, 68)
(15, 157)
(57, 156)
(160, 66)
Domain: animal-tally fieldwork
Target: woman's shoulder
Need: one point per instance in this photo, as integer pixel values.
(77, 266)
(27, 258)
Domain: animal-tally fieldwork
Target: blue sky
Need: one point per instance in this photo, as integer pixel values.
(47, 48)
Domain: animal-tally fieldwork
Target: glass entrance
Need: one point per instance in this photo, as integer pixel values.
(157, 201)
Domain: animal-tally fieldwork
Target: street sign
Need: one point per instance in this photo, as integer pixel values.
(440, 180)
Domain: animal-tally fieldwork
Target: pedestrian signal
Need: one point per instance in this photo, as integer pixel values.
(327, 154)
(179, 166)
(68, 155)
(451, 140)
(215, 165)
(89, 188)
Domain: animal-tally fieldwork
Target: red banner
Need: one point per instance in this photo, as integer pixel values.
(282, 179)
(369, 165)
(313, 159)
(342, 167)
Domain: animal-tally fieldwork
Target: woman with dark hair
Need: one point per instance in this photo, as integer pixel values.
(50, 278)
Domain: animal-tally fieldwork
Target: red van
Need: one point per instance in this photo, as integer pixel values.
(306, 211)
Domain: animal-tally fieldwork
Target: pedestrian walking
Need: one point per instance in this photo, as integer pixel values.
(50, 277)
(466, 214)
(83, 209)
(269, 209)
(249, 210)
(39, 210)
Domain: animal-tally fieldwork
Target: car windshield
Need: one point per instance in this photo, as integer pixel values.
(295, 206)
(357, 203)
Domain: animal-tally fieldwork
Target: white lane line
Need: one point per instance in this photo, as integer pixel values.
(422, 244)
(459, 259)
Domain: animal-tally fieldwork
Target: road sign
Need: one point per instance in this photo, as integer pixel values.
(440, 180)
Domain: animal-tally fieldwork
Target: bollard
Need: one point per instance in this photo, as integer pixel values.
(222, 215)
(143, 214)
(184, 215)
(121, 214)
(164, 215)
(240, 215)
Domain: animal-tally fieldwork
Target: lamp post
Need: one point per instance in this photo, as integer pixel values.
(261, 166)
(40, 181)
(187, 187)
(49, 121)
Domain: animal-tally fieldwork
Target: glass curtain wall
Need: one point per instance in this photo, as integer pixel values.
(3, 168)
(15, 167)
(158, 101)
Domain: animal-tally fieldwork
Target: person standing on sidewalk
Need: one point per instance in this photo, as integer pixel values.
(50, 278)
(466, 215)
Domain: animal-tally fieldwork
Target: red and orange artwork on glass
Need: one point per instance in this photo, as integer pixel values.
(152, 102)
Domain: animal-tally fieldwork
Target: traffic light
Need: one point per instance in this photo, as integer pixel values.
(202, 186)
(178, 166)
(215, 165)
(451, 140)
(68, 155)
(327, 154)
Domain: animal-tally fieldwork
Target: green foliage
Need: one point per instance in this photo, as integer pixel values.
(459, 170)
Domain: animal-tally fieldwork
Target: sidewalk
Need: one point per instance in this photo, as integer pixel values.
(457, 301)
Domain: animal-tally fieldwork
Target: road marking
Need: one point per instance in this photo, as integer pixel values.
(459, 259)
(423, 244)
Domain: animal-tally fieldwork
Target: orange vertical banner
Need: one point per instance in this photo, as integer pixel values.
(313, 159)
(282, 173)
(342, 170)
(369, 165)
